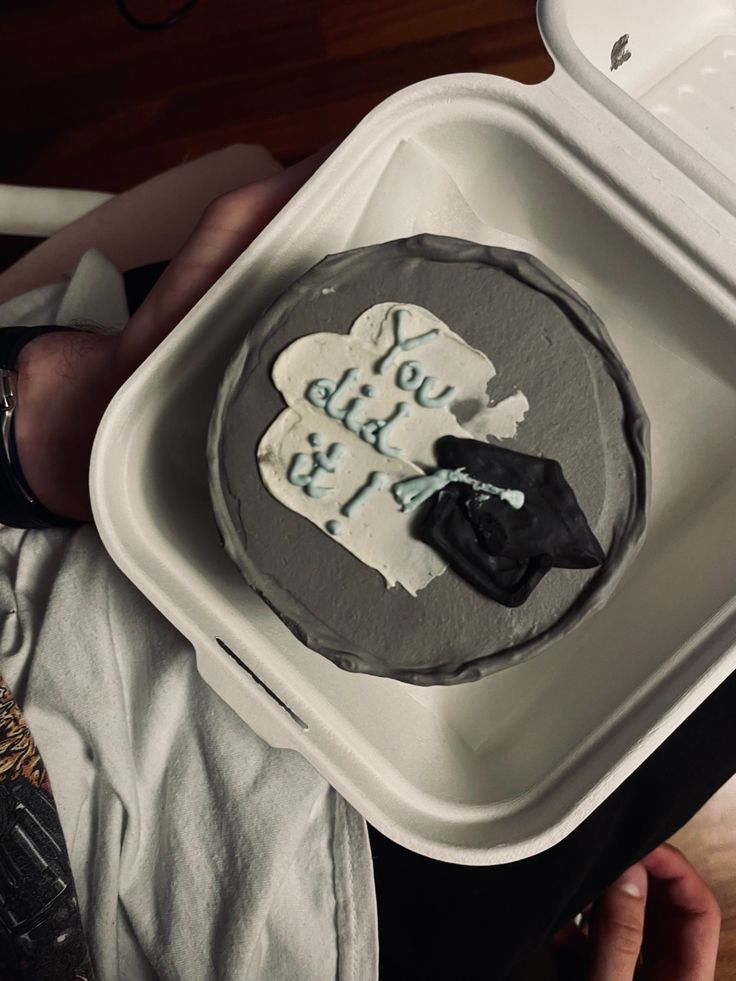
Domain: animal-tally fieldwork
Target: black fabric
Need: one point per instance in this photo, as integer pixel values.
(437, 920)
(138, 283)
(12, 339)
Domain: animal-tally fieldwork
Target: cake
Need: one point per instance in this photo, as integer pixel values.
(429, 460)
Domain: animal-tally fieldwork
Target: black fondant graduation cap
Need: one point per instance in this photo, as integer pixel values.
(505, 552)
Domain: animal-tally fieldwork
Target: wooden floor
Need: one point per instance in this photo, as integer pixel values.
(709, 841)
(97, 104)
(91, 102)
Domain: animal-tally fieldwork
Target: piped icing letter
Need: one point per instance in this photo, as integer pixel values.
(402, 343)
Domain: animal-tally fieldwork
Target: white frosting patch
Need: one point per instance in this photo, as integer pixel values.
(500, 420)
(375, 401)
(378, 532)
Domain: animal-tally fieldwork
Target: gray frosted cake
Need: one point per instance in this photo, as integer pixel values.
(429, 460)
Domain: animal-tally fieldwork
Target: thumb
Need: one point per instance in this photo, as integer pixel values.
(225, 229)
(617, 928)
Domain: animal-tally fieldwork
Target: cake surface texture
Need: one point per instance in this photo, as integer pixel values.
(324, 473)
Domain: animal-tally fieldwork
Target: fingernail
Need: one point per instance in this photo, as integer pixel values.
(633, 882)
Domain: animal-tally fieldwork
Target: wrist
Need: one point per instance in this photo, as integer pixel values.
(64, 383)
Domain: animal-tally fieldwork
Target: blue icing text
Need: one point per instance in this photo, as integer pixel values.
(376, 482)
(411, 378)
(403, 343)
(306, 469)
(325, 394)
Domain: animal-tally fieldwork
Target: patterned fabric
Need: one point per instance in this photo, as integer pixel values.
(41, 936)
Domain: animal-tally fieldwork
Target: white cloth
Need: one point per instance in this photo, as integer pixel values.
(199, 852)
(92, 298)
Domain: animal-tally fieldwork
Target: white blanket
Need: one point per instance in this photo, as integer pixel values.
(198, 851)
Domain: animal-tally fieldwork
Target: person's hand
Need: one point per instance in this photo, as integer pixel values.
(66, 380)
(658, 922)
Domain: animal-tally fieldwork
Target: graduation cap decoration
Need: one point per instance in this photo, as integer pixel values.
(475, 520)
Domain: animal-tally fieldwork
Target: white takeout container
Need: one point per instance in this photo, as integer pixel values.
(501, 768)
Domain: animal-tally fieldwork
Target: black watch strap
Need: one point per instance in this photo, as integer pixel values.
(19, 507)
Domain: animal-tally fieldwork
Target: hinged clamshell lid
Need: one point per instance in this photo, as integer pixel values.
(666, 68)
